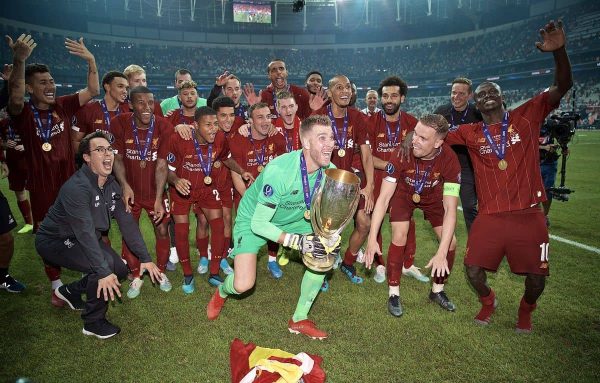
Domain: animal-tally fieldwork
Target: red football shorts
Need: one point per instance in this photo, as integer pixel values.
(402, 207)
(519, 235)
(203, 198)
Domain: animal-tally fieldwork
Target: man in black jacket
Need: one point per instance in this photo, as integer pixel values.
(461, 111)
(70, 236)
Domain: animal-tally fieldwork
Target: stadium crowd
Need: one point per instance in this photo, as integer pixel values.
(145, 149)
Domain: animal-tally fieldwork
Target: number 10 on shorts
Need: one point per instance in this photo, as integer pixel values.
(544, 247)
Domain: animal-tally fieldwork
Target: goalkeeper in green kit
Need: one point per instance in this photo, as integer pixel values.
(276, 207)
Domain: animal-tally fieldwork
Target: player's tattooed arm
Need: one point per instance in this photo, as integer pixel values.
(21, 48)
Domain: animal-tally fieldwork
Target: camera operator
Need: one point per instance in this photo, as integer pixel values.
(548, 164)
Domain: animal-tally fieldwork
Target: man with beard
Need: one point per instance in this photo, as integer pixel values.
(254, 152)
(461, 111)
(96, 115)
(272, 209)
(278, 75)
(371, 99)
(430, 180)
(387, 129)
(230, 86)
(137, 138)
(350, 129)
(504, 148)
(173, 103)
(44, 124)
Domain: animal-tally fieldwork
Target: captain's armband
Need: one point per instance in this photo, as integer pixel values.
(451, 189)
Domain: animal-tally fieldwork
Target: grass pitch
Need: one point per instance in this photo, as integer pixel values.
(167, 338)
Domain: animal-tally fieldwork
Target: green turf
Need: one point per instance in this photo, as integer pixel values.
(166, 336)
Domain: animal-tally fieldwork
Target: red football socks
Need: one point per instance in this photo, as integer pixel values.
(394, 266)
(488, 306)
(52, 272)
(133, 262)
(202, 246)
(182, 231)
(163, 247)
(216, 243)
(524, 321)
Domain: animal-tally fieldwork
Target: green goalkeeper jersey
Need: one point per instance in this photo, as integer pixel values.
(279, 188)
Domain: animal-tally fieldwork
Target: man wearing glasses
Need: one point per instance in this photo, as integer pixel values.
(69, 236)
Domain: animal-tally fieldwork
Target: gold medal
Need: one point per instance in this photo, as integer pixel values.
(502, 164)
(207, 180)
(307, 215)
(217, 164)
(260, 168)
(416, 198)
(143, 164)
(46, 146)
(341, 152)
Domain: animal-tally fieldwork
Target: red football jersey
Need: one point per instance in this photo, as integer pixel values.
(177, 118)
(141, 179)
(246, 152)
(382, 145)
(357, 133)
(183, 160)
(292, 136)
(432, 173)
(49, 170)
(91, 118)
(520, 185)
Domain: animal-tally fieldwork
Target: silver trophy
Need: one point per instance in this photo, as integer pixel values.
(332, 207)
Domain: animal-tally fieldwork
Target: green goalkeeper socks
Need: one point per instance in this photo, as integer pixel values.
(226, 287)
(311, 285)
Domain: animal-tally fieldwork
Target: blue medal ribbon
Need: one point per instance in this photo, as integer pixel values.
(499, 151)
(206, 167)
(240, 111)
(308, 194)
(44, 133)
(107, 115)
(341, 142)
(260, 159)
(147, 144)
(11, 133)
(420, 182)
(288, 142)
(392, 139)
(181, 115)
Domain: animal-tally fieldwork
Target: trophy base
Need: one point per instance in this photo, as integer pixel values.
(320, 264)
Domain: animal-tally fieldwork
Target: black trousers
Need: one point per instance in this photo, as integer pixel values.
(69, 254)
(468, 196)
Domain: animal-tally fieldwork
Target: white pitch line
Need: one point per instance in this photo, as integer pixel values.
(576, 244)
(570, 242)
